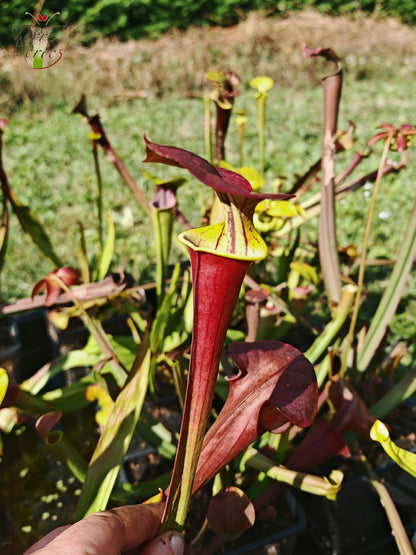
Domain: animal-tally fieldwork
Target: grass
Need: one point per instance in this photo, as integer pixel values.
(152, 87)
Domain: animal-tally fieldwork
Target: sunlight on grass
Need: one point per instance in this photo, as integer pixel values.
(48, 156)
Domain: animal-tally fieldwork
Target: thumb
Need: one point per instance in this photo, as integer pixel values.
(168, 543)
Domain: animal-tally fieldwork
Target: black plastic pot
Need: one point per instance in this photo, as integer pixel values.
(10, 348)
(36, 345)
(75, 336)
(356, 522)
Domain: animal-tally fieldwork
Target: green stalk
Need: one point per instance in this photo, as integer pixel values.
(399, 532)
(327, 487)
(112, 446)
(99, 334)
(327, 337)
(261, 107)
(399, 393)
(207, 128)
(99, 194)
(63, 450)
(261, 85)
(112, 156)
(361, 271)
(241, 121)
(326, 366)
(162, 224)
(391, 296)
(31, 403)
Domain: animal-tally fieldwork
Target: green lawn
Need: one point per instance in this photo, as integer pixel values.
(47, 156)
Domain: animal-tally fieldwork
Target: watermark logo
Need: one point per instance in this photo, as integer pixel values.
(37, 43)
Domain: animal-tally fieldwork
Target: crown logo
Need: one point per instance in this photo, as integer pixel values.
(42, 18)
(37, 42)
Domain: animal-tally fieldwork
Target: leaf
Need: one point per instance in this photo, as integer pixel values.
(305, 270)
(83, 260)
(73, 359)
(69, 398)
(108, 250)
(224, 81)
(327, 338)
(320, 443)
(4, 231)
(327, 487)
(401, 391)
(124, 349)
(31, 225)
(162, 219)
(62, 449)
(275, 387)
(349, 411)
(97, 392)
(391, 296)
(156, 435)
(179, 325)
(4, 384)
(405, 459)
(164, 313)
(140, 196)
(255, 179)
(9, 418)
(58, 444)
(115, 439)
(222, 181)
(230, 512)
(55, 282)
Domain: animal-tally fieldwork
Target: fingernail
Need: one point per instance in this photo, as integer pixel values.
(177, 544)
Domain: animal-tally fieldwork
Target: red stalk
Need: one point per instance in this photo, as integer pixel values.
(216, 281)
(221, 128)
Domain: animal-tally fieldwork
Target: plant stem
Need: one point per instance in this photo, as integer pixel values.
(404, 389)
(361, 271)
(99, 195)
(328, 252)
(327, 337)
(162, 220)
(261, 106)
(99, 334)
(112, 156)
(212, 314)
(207, 129)
(391, 295)
(240, 129)
(399, 532)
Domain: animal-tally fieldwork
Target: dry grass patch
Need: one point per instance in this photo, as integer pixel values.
(177, 62)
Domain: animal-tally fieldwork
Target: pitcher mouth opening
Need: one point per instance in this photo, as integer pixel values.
(210, 239)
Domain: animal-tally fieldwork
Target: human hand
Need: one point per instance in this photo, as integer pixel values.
(124, 529)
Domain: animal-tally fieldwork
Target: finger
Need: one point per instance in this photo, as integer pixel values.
(46, 539)
(108, 532)
(168, 543)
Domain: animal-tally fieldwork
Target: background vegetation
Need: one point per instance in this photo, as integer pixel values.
(157, 86)
(133, 19)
